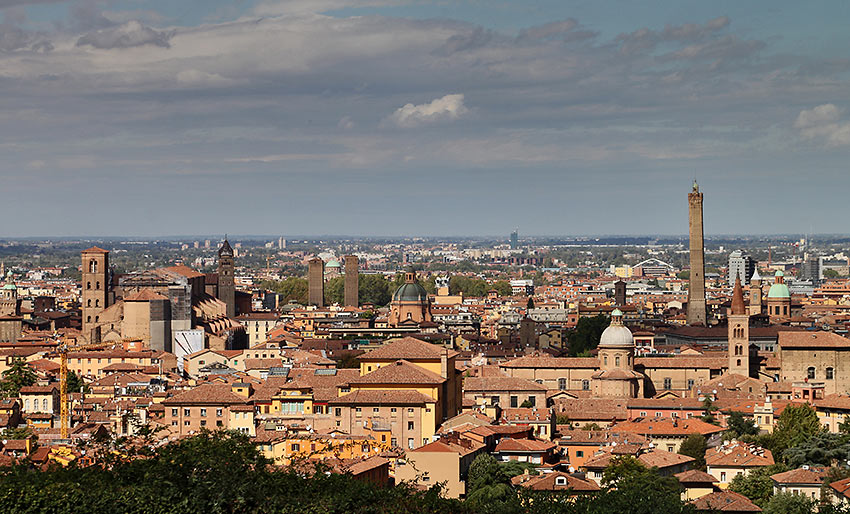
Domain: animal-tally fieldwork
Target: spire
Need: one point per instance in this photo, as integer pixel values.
(225, 248)
(696, 186)
(738, 298)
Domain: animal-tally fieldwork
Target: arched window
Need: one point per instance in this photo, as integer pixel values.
(97, 303)
(88, 302)
(88, 285)
(98, 285)
(562, 384)
(810, 373)
(830, 373)
(605, 360)
(96, 319)
(92, 266)
(88, 319)
(617, 361)
(44, 405)
(739, 362)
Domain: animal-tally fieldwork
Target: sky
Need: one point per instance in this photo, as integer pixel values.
(449, 117)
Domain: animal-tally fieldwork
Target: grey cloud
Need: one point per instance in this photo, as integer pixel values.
(462, 42)
(644, 39)
(130, 34)
(548, 30)
(15, 38)
(727, 47)
(15, 3)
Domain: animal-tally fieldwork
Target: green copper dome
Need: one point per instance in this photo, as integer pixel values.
(410, 292)
(778, 291)
(10, 287)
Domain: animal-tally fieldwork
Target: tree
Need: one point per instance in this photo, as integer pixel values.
(348, 360)
(694, 446)
(19, 375)
(530, 304)
(586, 335)
(789, 503)
(796, 425)
(629, 486)
(375, 290)
(503, 287)
(76, 384)
(830, 273)
(757, 485)
(335, 291)
(526, 404)
(822, 449)
(684, 275)
(487, 483)
(293, 289)
(739, 425)
(709, 409)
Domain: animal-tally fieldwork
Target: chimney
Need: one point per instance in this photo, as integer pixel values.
(444, 363)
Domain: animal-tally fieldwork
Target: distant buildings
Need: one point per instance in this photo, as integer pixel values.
(741, 266)
(514, 240)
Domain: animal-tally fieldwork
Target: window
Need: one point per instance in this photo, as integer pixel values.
(203, 422)
(186, 423)
(218, 412)
(643, 413)
(410, 411)
(532, 400)
(690, 383)
(44, 405)
(579, 453)
(605, 360)
(393, 410)
(585, 385)
(617, 361)
(410, 425)
(830, 373)
(722, 476)
(562, 384)
(410, 443)
(337, 412)
(670, 448)
(494, 400)
(375, 410)
(296, 447)
(174, 413)
(88, 285)
(203, 411)
(810, 373)
(218, 423)
(394, 442)
(358, 412)
(668, 383)
(186, 412)
(514, 402)
(27, 404)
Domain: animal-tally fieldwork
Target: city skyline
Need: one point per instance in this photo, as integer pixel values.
(379, 117)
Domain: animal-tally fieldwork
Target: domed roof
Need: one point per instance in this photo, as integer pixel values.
(410, 292)
(12, 287)
(332, 264)
(617, 334)
(778, 291)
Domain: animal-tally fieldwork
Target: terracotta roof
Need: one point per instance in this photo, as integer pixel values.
(145, 295)
(665, 403)
(33, 389)
(382, 396)
(725, 501)
(461, 447)
(487, 384)
(95, 249)
(186, 271)
(408, 348)
(654, 458)
(666, 426)
(738, 455)
(536, 361)
(207, 394)
(695, 476)
(549, 482)
(362, 466)
(509, 444)
(841, 487)
(521, 415)
(400, 372)
(592, 409)
(811, 476)
(683, 362)
(262, 363)
(812, 340)
(834, 401)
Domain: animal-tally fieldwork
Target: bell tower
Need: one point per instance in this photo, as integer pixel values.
(739, 333)
(226, 287)
(95, 286)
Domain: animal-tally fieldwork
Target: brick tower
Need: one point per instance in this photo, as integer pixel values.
(226, 285)
(352, 281)
(696, 287)
(95, 284)
(316, 282)
(739, 333)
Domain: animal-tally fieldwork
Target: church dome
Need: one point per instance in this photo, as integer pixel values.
(410, 292)
(617, 334)
(10, 287)
(332, 264)
(779, 290)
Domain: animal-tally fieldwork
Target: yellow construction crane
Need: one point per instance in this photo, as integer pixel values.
(64, 401)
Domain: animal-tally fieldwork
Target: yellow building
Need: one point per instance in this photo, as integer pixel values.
(283, 447)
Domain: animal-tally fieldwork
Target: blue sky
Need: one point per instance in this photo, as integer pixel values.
(376, 117)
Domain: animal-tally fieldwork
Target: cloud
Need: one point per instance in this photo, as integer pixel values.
(449, 107)
(15, 3)
(548, 30)
(824, 123)
(127, 35)
(643, 40)
(478, 38)
(345, 123)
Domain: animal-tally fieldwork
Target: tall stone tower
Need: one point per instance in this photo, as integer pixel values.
(316, 282)
(620, 293)
(755, 295)
(739, 333)
(95, 284)
(352, 281)
(226, 286)
(696, 288)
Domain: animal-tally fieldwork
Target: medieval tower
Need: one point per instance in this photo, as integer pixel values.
(226, 287)
(696, 287)
(95, 284)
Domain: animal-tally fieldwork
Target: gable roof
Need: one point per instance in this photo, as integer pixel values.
(486, 384)
(382, 397)
(725, 501)
(207, 394)
(797, 340)
(400, 372)
(408, 348)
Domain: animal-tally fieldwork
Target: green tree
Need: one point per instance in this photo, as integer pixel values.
(19, 375)
(526, 404)
(830, 273)
(796, 425)
(822, 449)
(708, 410)
(789, 503)
(757, 485)
(629, 486)
(503, 287)
(335, 291)
(348, 360)
(375, 290)
(585, 336)
(694, 446)
(487, 483)
(683, 275)
(293, 289)
(739, 425)
(77, 384)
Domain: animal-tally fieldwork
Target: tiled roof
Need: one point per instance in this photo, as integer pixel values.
(144, 295)
(738, 454)
(262, 363)
(33, 389)
(488, 384)
(842, 487)
(382, 396)
(666, 426)
(520, 415)
(534, 361)
(809, 339)
(834, 401)
(655, 458)
(665, 403)
(549, 482)
(408, 348)
(186, 271)
(207, 394)
(592, 409)
(695, 476)
(698, 362)
(725, 501)
(95, 249)
(509, 444)
(400, 372)
(811, 476)
(461, 447)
